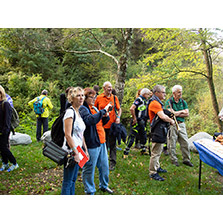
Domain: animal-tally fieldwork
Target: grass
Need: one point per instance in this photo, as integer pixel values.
(39, 175)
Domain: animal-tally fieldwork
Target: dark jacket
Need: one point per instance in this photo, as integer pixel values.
(119, 131)
(5, 117)
(90, 134)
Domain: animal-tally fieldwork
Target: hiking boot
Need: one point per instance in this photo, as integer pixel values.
(188, 163)
(126, 152)
(175, 163)
(4, 166)
(160, 170)
(144, 152)
(165, 151)
(13, 167)
(156, 176)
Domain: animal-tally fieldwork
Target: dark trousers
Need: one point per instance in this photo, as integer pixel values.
(111, 144)
(4, 149)
(41, 122)
(137, 130)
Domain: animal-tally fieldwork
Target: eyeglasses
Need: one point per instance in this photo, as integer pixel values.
(90, 97)
(163, 92)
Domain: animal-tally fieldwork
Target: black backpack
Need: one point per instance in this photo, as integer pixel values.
(159, 128)
(57, 133)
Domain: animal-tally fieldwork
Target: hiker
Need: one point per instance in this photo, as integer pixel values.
(138, 122)
(156, 113)
(179, 107)
(72, 119)
(5, 125)
(42, 113)
(101, 101)
(94, 135)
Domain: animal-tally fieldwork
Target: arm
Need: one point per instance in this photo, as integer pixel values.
(90, 119)
(7, 119)
(165, 118)
(182, 113)
(132, 110)
(49, 104)
(67, 131)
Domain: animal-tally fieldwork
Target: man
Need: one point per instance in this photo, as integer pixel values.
(155, 110)
(180, 109)
(101, 101)
(138, 123)
(42, 119)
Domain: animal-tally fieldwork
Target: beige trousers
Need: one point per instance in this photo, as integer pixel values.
(156, 151)
(181, 137)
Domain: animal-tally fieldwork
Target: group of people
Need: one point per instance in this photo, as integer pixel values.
(87, 121)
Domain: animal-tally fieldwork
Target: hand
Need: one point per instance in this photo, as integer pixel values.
(134, 121)
(77, 157)
(108, 106)
(117, 121)
(172, 122)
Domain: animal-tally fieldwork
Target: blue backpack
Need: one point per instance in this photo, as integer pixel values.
(38, 106)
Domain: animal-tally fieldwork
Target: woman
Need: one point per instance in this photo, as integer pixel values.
(5, 124)
(72, 141)
(95, 140)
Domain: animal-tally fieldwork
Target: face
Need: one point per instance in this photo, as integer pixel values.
(108, 89)
(161, 94)
(146, 96)
(177, 94)
(79, 99)
(90, 99)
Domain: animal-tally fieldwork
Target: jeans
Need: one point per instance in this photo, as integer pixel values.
(39, 123)
(69, 179)
(4, 149)
(99, 158)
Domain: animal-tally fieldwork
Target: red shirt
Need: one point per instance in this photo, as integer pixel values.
(101, 101)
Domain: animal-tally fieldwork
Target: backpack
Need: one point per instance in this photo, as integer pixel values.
(15, 117)
(57, 133)
(38, 106)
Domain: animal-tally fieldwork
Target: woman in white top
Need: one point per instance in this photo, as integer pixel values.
(72, 141)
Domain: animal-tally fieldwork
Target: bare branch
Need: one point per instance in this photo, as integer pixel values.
(92, 51)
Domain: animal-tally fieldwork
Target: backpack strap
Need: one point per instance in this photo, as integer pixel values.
(115, 107)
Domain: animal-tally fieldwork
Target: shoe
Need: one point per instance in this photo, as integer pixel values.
(108, 190)
(160, 170)
(175, 163)
(144, 152)
(156, 176)
(111, 168)
(126, 153)
(118, 148)
(13, 167)
(4, 166)
(165, 151)
(188, 163)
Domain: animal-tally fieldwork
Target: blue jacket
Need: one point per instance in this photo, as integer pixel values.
(90, 134)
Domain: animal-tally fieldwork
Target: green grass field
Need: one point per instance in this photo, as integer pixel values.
(39, 175)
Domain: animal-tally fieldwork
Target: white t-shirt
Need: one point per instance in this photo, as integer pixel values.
(78, 131)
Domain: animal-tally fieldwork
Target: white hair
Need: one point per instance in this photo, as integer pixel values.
(107, 83)
(145, 91)
(176, 87)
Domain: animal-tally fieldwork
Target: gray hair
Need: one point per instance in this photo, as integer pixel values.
(158, 88)
(107, 83)
(44, 92)
(176, 87)
(145, 91)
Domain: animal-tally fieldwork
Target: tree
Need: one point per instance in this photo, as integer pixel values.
(121, 59)
(186, 53)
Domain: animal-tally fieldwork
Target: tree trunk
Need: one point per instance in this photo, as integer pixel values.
(208, 62)
(123, 64)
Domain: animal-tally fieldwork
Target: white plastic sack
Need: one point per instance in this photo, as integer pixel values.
(19, 139)
(46, 136)
(197, 136)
